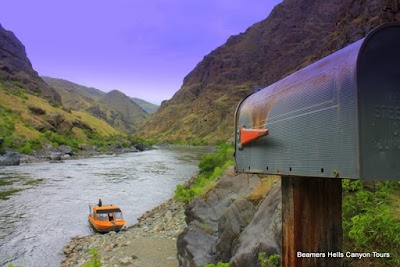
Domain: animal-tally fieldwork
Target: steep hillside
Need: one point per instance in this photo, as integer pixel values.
(31, 115)
(296, 33)
(129, 114)
(117, 109)
(148, 107)
(16, 72)
(28, 122)
(74, 96)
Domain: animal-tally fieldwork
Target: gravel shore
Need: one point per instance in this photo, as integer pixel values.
(150, 242)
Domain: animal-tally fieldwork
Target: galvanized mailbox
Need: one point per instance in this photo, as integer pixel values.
(339, 117)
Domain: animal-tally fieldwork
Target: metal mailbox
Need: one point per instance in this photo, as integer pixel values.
(338, 118)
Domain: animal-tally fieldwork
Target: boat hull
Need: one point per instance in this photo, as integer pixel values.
(106, 226)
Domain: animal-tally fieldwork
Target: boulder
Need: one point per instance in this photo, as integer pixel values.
(197, 244)
(66, 156)
(86, 147)
(140, 147)
(264, 232)
(45, 152)
(54, 119)
(118, 145)
(65, 149)
(227, 224)
(42, 126)
(82, 125)
(195, 247)
(37, 110)
(64, 127)
(10, 159)
(55, 156)
(131, 149)
(231, 223)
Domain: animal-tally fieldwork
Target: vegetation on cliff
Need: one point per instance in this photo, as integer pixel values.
(211, 167)
(28, 122)
(371, 220)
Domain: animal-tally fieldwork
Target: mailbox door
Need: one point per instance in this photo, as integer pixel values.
(378, 70)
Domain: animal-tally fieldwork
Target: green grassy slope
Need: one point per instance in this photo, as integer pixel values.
(28, 121)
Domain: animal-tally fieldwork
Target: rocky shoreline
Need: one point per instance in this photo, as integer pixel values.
(49, 153)
(150, 242)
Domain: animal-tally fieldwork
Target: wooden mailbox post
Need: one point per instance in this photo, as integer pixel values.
(337, 118)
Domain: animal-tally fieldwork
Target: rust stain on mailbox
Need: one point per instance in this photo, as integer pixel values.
(339, 117)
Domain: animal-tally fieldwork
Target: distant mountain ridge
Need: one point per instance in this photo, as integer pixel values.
(117, 109)
(296, 33)
(147, 106)
(129, 114)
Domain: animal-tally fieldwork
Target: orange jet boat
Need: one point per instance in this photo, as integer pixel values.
(106, 218)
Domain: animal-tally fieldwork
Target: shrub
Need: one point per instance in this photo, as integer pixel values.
(30, 146)
(209, 162)
(219, 264)
(184, 194)
(368, 219)
(198, 142)
(271, 261)
(26, 149)
(56, 104)
(7, 127)
(211, 167)
(94, 260)
(58, 139)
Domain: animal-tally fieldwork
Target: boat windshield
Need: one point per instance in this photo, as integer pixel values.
(109, 214)
(118, 216)
(103, 217)
(107, 211)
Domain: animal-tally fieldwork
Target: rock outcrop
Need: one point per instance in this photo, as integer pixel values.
(264, 232)
(10, 159)
(296, 33)
(16, 72)
(233, 222)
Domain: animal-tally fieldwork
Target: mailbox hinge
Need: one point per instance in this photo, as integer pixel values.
(249, 135)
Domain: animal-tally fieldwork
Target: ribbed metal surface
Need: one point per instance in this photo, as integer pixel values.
(379, 109)
(318, 117)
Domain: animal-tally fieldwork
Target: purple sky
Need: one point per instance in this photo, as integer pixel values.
(142, 48)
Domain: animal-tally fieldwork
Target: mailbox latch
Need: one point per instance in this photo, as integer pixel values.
(249, 135)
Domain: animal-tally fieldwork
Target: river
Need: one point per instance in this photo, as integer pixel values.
(43, 205)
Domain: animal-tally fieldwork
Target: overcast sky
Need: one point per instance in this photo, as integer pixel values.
(142, 48)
